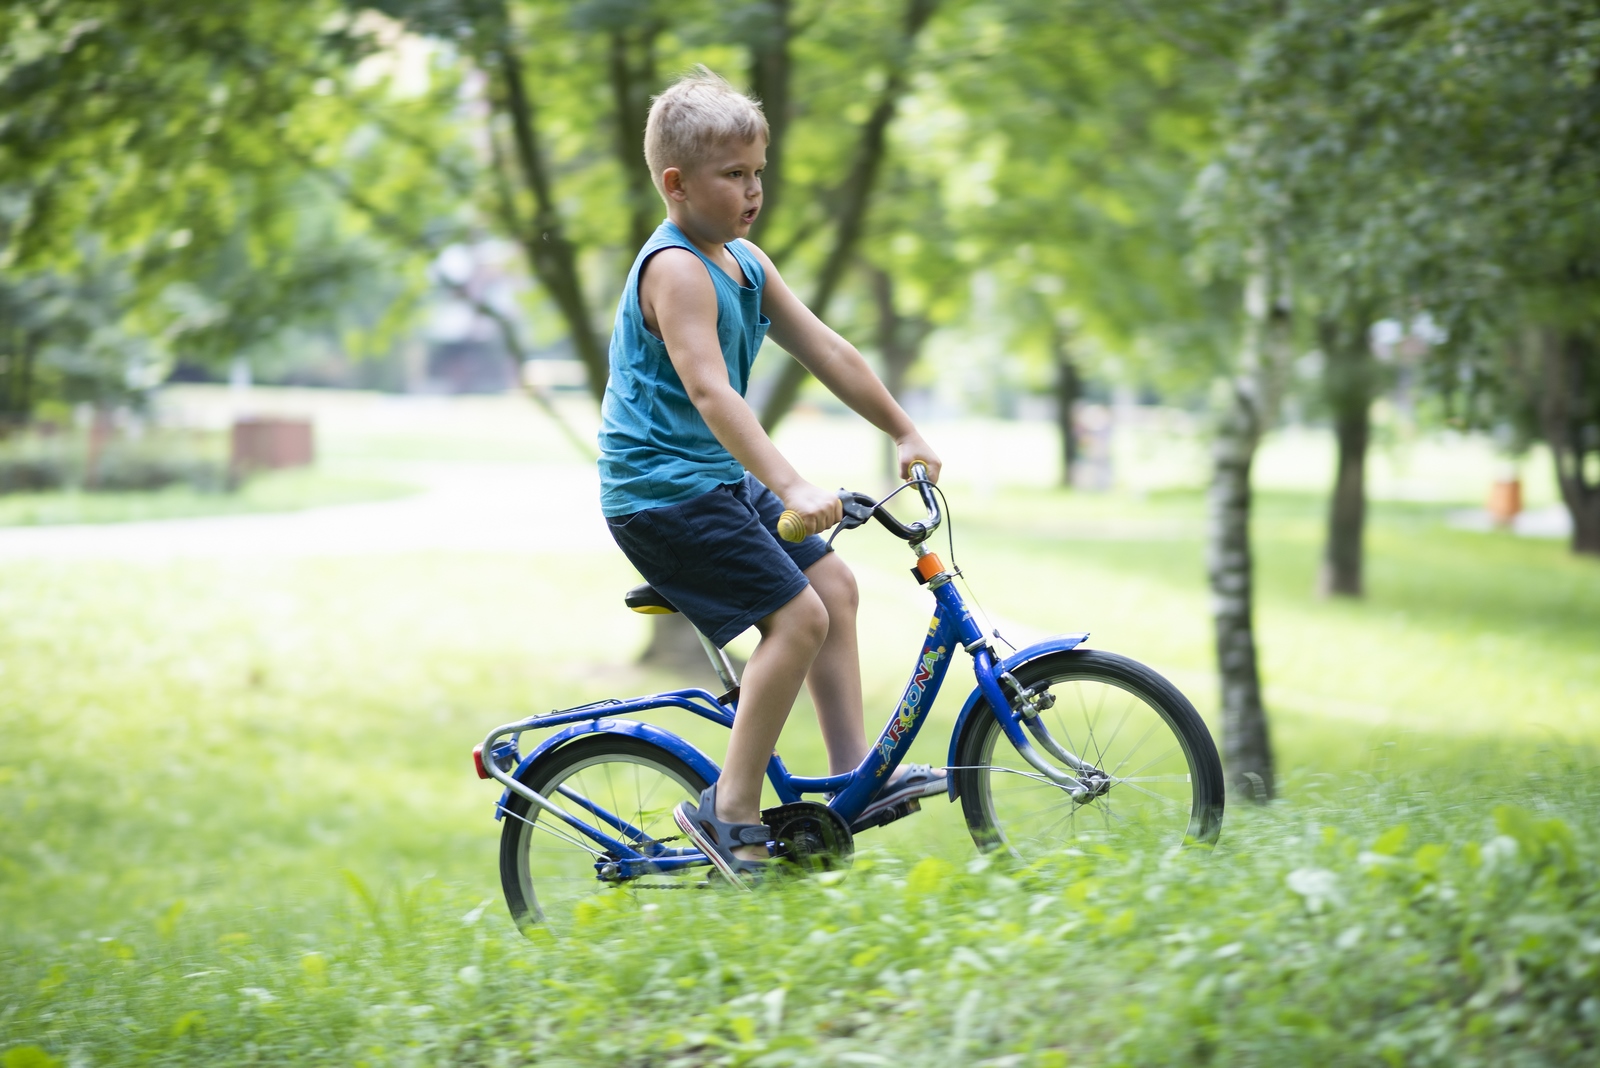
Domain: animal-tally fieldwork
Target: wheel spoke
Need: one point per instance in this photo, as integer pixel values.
(620, 781)
(1144, 743)
(1159, 756)
(1140, 745)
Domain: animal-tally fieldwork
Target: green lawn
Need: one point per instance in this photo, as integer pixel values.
(273, 491)
(238, 822)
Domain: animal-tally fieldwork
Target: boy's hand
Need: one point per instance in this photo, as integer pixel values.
(817, 508)
(912, 447)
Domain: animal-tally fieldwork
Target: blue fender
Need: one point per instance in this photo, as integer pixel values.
(702, 764)
(1059, 643)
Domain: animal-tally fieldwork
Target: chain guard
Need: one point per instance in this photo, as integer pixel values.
(810, 836)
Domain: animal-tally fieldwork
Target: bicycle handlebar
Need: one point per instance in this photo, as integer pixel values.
(859, 507)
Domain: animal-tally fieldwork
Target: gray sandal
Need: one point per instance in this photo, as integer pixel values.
(718, 839)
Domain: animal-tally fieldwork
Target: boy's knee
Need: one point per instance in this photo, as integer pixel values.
(806, 619)
(836, 585)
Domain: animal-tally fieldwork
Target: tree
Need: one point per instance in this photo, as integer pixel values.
(1440, 158)
(1246, 409)
(142, 186)
(848, 200)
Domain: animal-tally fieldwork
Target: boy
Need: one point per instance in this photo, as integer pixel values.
(691, 485)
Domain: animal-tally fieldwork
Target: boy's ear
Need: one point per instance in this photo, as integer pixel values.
(672, 184)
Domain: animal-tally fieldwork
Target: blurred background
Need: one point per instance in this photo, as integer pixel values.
(1261, 341)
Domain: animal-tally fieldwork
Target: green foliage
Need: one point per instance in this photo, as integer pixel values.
(269, 857)
(1416, 156)
(155, 175)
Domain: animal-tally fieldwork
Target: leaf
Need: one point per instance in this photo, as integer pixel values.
(927, 876)
(1390, 842)
(192, 1021)
(866, 956)
(167, 925)
(28, 1057)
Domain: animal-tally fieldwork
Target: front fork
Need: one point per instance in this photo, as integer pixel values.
(1019, 714)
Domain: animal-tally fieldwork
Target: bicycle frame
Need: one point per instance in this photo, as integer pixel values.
(952, 625)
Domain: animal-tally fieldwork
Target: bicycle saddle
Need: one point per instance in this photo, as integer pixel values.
(644, 598)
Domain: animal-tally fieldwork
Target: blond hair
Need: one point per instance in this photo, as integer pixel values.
(692, 117)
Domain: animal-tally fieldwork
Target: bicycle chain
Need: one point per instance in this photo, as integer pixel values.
(665, 886)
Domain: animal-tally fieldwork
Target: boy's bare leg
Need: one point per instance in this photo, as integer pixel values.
(790, 638)
(835, 677)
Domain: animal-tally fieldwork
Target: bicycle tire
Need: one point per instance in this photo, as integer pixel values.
(1173, 791)
(628, 775)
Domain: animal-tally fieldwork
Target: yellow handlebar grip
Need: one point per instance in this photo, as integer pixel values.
(791, 527)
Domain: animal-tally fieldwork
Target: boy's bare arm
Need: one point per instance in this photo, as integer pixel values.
(841, 367)
(678, 299)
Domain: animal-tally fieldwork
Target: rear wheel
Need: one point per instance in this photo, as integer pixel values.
(1155, 777)
(547, 868)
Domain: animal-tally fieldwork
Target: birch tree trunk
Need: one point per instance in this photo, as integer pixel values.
(1247, 403)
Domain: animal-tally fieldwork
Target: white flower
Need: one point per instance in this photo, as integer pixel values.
(1318, 886)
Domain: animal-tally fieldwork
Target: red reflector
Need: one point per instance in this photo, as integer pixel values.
(477, 761)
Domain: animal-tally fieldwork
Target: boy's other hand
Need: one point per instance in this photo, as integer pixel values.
(818, 508)
(911, 448)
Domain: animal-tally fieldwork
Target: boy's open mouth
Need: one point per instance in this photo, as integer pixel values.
(750, 214)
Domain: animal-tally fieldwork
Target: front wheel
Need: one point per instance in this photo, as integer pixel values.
(625, 788)
(1153, 775)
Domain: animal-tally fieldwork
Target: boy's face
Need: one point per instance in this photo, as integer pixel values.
(722, 195)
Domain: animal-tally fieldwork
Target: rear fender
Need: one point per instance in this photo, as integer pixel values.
(1060, 643)
(702, 764)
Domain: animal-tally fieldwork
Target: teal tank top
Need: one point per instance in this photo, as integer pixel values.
(655, 449)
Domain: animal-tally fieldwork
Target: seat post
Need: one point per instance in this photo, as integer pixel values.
(719, 662)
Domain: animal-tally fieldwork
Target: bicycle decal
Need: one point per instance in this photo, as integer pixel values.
(591, 805)
(906, 716)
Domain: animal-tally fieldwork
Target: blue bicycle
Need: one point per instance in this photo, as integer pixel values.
(1058, 746)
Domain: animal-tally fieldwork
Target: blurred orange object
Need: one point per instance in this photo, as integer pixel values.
(1505, 501)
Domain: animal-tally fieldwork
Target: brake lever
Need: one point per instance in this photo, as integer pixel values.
(858, 508)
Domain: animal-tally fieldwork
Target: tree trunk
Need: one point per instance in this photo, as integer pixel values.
(1569, 417)
(16, 381)
(551, 255)
(1247, 747)
(900, 339)
(632, 67)
(770, 69)
(854, 197)
(1069, 388)
(1248, 404)
(1349, 384)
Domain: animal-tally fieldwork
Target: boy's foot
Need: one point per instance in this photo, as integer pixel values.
(717, 839)
(910, 781)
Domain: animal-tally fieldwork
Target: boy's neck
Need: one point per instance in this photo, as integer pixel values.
(708, 245)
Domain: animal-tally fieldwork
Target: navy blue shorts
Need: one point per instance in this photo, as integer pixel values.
(717, 557)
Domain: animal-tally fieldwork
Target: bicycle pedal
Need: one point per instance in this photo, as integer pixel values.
(888, 815)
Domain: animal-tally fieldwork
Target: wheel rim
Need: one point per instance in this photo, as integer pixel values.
(556, 864)
(1149, 799)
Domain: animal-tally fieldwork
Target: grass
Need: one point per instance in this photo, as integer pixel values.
(237, 823)
(273, 491)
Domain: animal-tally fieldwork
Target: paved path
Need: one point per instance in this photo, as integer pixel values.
(463, 508)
